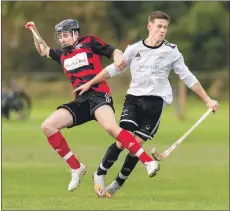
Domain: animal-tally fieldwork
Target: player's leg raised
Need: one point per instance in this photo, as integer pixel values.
(51, 127)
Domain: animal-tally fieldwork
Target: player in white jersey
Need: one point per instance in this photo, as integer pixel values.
(150, 61)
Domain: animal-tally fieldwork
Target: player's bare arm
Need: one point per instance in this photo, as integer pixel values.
(102, 76)
(198, 89)
(114, 69)
(40, 44)
(105, 74)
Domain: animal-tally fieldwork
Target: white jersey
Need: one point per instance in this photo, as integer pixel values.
(150, 68)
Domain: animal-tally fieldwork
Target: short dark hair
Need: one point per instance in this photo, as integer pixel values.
(158, 15)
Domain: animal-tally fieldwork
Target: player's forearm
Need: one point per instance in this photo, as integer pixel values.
(40, 44)
(37, 46)
(102, 76)
(198, 89)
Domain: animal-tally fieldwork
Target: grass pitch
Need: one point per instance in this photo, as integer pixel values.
(194, 177)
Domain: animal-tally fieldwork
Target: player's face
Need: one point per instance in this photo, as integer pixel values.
(66, 38)
(158, 29)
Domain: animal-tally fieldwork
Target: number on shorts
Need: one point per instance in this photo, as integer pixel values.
(107, 98)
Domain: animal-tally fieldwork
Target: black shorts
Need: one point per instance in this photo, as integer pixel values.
(141, 115)
(83, 108)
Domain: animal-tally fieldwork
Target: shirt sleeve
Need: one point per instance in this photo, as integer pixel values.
(128, 54)
(101, 48)
(55, 54)
(184, 73)
(114, 71)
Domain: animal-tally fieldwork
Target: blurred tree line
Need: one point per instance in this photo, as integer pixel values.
(200, 29)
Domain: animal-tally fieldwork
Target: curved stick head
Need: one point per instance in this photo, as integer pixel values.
(155, 154)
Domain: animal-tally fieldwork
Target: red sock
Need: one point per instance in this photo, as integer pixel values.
(130, 143)
(59, 144)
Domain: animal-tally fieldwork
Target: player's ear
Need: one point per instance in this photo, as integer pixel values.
(76, 34)
(148, 26)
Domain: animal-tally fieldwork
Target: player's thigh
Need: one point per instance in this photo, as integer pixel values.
(101, 107)
(99, 99)
(59, 119)
(129, 114)
(106, 118)
(79, 110)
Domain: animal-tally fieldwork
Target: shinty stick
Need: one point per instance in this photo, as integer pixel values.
(168, 151)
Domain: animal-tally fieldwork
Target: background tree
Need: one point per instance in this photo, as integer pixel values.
(200, 29)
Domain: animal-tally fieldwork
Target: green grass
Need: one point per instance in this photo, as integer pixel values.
(194, 177)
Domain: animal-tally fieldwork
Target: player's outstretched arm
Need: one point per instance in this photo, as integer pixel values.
(105, 74)
(102, 76)
(191, 82)
(40, 44)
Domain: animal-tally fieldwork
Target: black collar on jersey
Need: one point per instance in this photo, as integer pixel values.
(153, 47)
(70, 48)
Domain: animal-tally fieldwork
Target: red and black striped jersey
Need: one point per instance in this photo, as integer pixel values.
(84, 62)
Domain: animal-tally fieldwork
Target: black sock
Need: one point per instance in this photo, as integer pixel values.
(110, 157)
(127, 168)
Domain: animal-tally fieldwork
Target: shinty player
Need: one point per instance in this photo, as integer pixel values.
(80, 58)
(150, 61)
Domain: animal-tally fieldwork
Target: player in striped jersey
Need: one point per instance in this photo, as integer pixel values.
(150, 61)
(80, 58)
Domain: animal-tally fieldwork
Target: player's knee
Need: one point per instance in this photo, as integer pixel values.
(112, 129)
(109, 129)
(47, 128)
(44, 127)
